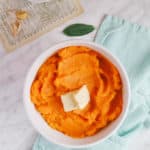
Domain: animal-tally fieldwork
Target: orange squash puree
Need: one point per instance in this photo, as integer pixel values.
(68, 70)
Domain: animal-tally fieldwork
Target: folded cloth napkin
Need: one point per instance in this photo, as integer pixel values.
(130, 43)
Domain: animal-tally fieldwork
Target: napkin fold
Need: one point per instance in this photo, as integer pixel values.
(131, 44)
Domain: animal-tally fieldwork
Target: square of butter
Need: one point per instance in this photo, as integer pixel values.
(82, 97)
(68, 102)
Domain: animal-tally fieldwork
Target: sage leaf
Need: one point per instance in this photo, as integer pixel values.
(78, 29)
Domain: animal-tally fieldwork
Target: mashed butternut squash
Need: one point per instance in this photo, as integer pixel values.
(68, 70)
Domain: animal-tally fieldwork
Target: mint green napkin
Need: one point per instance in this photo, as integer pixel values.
(131, 44)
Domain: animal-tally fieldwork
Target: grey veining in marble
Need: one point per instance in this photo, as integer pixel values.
(16, 132)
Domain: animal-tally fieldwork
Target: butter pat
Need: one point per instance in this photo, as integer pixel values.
(77, 99)
(68, 102)
(82, 97)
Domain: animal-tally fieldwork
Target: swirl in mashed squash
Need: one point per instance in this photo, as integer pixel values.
(68, 70)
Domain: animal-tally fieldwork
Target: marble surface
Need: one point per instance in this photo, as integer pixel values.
(16, 131)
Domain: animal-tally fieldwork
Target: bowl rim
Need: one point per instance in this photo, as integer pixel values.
(104, 51)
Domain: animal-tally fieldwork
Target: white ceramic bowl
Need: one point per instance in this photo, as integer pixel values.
(55, 136)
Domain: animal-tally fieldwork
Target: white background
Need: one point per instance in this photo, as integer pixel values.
(16, 132)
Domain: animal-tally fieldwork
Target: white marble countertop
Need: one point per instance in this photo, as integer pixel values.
(16, 132)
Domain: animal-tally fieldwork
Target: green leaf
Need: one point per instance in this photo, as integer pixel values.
(78, 29)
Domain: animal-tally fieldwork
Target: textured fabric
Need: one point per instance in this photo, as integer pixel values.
(131, 44)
